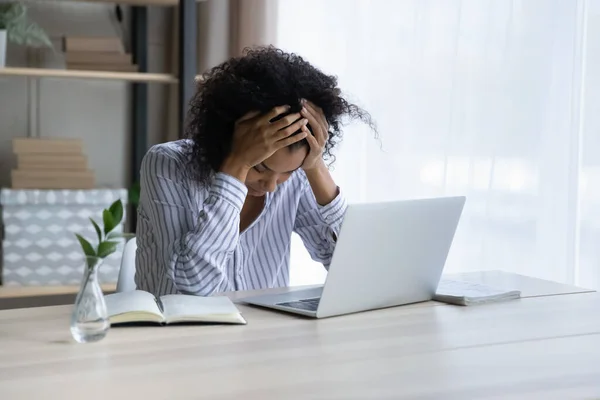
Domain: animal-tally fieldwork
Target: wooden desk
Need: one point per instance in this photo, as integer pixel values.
(537, 347)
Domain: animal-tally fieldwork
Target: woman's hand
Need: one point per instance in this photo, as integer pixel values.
(321, 182)
(318, 139)
(256, 138)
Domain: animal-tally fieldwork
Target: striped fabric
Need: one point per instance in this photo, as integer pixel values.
(188, 235)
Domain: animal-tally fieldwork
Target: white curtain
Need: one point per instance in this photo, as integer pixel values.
(494, 99)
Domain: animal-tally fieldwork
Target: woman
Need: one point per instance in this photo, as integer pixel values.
(217, 210)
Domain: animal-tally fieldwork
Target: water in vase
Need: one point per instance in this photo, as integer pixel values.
(89, 321)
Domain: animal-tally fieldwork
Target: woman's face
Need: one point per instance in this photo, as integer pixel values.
(274, 170)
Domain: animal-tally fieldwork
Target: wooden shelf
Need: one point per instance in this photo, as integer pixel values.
(103, 75)
(123, 2)
(133, 2)
(7, 292)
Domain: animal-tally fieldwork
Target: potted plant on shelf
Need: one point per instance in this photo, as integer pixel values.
(89, 321)
(16, 28)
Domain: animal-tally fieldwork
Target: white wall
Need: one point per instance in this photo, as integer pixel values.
(589, 271)
(96, 111)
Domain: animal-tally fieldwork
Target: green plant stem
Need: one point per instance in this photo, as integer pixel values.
(87, 277)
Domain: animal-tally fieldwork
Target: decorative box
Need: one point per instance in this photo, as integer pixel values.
(39, 246)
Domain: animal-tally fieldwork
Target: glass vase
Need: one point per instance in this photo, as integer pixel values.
(89, 321)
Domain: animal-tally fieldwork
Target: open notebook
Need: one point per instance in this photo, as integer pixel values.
(141, 306)
(469, 293)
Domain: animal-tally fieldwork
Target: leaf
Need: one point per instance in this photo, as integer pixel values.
(12, 13)
(98, 230)
(88, 249)
(37, 37)
(107, 248)
(109, 223)
(116, 209)
(14, 19)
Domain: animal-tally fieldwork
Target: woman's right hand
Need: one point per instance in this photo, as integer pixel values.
(256, 138)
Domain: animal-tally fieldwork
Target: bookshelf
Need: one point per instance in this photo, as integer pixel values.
(184, 78)
(104, 75)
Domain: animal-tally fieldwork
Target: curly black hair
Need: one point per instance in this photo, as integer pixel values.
(261, 79)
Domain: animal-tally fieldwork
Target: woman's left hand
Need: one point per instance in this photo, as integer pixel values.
(318, 139)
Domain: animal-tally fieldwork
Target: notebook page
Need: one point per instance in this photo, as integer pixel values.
(181, 306)
(134, 301)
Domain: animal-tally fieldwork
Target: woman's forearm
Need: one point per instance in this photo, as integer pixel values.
(322, 184)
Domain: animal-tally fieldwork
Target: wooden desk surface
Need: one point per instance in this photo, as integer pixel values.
(537, 347)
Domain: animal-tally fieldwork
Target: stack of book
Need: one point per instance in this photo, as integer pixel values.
(51, 164)
(97, 54)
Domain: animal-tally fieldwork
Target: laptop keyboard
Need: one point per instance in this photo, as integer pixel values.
(305, 304)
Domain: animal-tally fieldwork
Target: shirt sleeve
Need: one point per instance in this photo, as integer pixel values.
(194, 244)
(318, 226)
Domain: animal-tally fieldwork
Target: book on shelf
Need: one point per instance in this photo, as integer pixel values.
(97, 57)
(53, 184)
(47, 146)
(51, 163)
(93, 44)
(41, 161)
(52, 179)
(138, 306)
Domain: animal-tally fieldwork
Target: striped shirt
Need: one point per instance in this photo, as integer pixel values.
(188, 234)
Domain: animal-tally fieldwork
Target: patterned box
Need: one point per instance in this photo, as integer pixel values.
(39, 243)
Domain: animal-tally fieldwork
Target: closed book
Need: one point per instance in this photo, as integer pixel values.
(97, 57)
(47, 146)
(471, 293)
(93, 43)
(52, 179)
(57, 183)
(51, 161)
(103, 67)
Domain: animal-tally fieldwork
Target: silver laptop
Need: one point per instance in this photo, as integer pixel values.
(387, 254)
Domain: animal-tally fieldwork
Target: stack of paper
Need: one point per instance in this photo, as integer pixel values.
(469, 293)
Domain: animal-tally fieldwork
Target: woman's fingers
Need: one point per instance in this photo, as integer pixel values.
(274, 113)
(290, 140)
(296, 126)
(319, 115)
(316, 122)
(285, 121)
(312, 141)
(247, 116)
